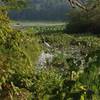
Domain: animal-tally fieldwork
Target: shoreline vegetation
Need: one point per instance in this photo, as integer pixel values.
(50, 60)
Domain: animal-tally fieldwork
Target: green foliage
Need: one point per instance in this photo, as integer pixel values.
(20, 49)
(45, 29)
(78, 58)
(12, 4)
(19, 53)
(74, 73)
(57, 40)
(85, 21)
(47, 84)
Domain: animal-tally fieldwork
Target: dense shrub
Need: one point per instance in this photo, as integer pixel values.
(19, 53)
(18, 50)
(78, 58)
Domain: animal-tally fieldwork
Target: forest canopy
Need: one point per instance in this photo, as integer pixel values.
(42, 10)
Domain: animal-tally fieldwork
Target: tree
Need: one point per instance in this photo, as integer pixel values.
(12, 3)
(75, 3)
(85, 21)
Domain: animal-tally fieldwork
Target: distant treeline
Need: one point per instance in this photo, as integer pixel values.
(42, 10)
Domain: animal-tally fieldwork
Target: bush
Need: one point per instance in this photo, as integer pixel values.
(19, 53)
